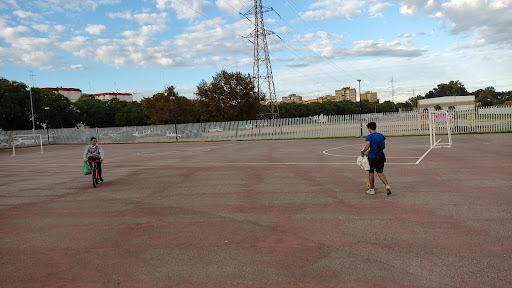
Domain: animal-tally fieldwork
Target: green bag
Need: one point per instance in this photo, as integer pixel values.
(87, 169)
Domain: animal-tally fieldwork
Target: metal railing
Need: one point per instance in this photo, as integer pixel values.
(492, 119)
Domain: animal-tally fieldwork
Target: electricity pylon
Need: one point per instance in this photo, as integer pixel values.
(262, 69)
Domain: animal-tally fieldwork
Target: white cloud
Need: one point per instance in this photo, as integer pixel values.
(283, 30)
(78, 46)
(468, 45)
(4, 4)
(375, 10)
(26, 14)
(234, 7)
(397, 48)
(123, 15)
(192, 44)
(77, 67)
(11, 34)
(49, 29)
(185, 9)
(153, 18)
(158, 19)
(488, 21)
(95, 29)
(334, 9)
(111, 55)
(408, 35)
(321, 43)
(82, 5)
(411, 7)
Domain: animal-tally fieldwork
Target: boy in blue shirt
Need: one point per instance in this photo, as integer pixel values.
(375, 140)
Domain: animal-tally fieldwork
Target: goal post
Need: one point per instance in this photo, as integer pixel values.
(440, 124)
(26, 141)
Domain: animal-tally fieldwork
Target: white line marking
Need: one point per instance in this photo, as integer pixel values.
(352, 156)
(419, 160)
(202, 164)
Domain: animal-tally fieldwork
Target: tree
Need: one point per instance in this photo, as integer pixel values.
(453, 88)
(15, 109)
(131, 115)
(92, 112)
(114, 107)
(60, 114)
(485, 99)
(160, 109)
(229, 97)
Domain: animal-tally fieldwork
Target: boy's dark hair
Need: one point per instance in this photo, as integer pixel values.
(92, 138)
(372, 125)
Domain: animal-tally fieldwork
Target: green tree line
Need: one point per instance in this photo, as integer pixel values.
(484, 97)
(230, 96)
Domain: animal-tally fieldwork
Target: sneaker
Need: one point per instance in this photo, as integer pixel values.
(101, 180)
(388, 190)
(371, 191)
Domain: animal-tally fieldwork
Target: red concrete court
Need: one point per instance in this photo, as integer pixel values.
(259, 214)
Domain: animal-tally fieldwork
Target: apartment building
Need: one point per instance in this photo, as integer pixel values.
(346, 93)
(370, 96)
(292, 98)
(71, 93)
(120, 96)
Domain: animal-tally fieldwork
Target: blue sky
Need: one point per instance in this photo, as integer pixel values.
(143, 46)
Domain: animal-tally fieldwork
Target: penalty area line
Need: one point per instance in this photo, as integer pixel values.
(419, 160)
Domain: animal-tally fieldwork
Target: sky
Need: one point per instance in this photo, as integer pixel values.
(398, 49)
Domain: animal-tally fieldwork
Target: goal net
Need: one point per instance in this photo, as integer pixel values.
(440, 124)
(26, 141)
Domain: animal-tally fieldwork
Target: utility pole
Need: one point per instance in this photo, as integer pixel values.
(262, 69)
(173, 99)
(360, 109)
(392, 92)
(31, 103)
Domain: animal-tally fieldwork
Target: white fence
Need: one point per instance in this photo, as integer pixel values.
(493, 119)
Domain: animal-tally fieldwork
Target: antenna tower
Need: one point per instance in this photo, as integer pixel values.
(262, 69)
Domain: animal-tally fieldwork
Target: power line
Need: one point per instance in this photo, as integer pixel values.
(212, 20)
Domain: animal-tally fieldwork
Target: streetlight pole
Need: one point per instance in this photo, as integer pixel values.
(360, 109)
(32, 108)
(175, 125)
(31, 103)
(48, 122)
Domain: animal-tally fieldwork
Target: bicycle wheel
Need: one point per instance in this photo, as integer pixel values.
(94, 172)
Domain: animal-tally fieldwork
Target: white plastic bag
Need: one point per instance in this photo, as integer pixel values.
(363, 163)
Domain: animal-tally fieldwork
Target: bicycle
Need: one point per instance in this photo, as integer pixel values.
(95, 173)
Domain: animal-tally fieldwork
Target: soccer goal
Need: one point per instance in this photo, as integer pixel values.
(440, 124)
(25, 141)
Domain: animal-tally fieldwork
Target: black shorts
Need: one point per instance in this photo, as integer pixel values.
(376, 166)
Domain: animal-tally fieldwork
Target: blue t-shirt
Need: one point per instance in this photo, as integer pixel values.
(376, 141)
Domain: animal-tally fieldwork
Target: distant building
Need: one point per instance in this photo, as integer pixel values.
(319, 99)
(447, 102)
(120, 96)
(71, 93)
(346, 93)
(292, 98)
(371, 96)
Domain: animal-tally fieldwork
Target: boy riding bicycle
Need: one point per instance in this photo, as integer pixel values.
(96, 154)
